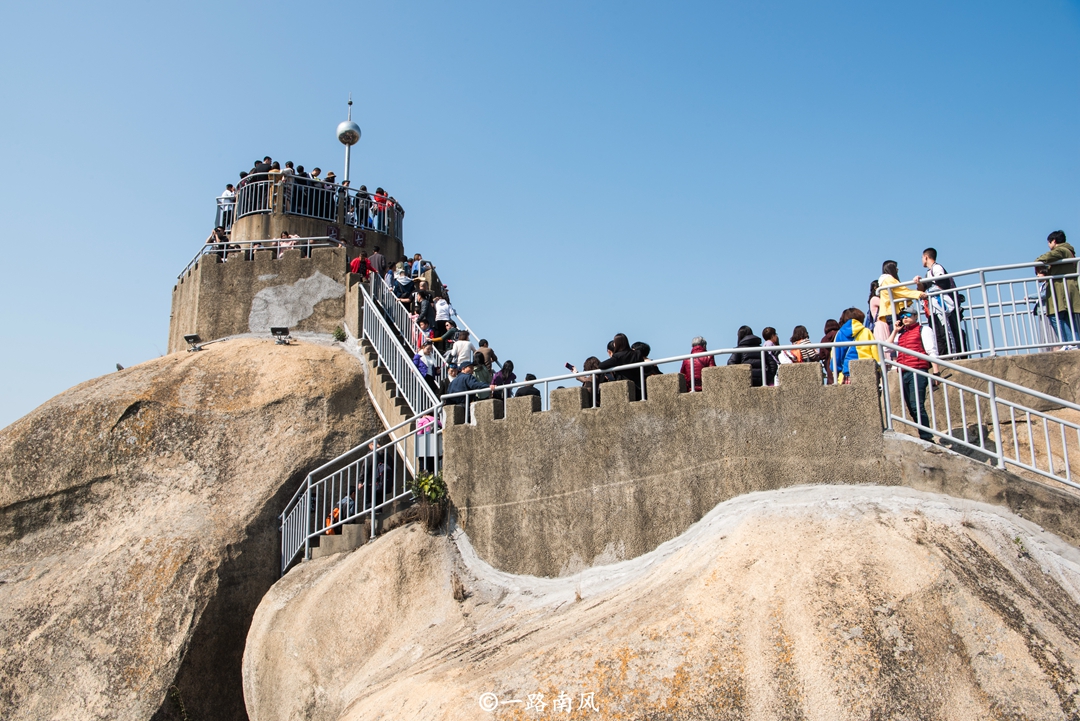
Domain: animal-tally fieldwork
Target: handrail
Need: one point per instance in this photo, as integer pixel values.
(321, 241)
(406, 324)
(312, 198)
(393, 356)
(996, 316)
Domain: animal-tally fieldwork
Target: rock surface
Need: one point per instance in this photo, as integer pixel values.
(138, 525)
(826, 603)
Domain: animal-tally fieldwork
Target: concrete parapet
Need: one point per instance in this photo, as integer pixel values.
(522, 407)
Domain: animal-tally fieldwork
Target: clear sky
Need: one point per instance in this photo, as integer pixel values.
(573, 169)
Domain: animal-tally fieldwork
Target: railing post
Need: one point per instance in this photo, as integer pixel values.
(986, 311)
(884, 388)
(997, 426)
(307, 519)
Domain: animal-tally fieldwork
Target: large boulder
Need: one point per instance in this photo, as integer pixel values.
(831, 602)
(138, 525)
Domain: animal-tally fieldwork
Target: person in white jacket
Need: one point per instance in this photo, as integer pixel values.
(462, 351)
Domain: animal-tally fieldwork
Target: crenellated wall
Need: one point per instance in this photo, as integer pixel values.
(548, 493)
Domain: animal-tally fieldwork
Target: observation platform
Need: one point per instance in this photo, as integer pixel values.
(254, 279)
(273, 203)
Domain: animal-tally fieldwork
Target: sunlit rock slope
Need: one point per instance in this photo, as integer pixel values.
(138, 525)
(827, 603)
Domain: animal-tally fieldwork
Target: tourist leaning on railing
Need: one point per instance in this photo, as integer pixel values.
(891, 293)
(1063, 302)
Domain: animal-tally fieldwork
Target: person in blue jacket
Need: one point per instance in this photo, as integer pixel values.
(466, 381)
(852, 328)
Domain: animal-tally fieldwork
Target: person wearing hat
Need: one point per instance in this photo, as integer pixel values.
(466, 381)
(908, 335)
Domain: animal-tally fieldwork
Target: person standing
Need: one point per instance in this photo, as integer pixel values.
(227, 203)
(378, 261)
(908, 335)
(831, 327)
(359, 265)
(943, 304)
(892, 294)
(753, 356)
(504, 377)
(692, 367)
(462, 351)
(1063, 300)
(489, 355)
(622, 354)
(852, 329)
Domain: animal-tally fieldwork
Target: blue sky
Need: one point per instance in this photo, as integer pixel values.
(573, 169)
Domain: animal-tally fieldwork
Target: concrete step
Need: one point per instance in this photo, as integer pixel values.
(351, 536)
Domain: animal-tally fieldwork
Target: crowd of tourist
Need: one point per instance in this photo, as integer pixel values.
(892, 315)
(311, 194)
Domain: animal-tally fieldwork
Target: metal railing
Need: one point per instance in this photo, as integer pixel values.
(358, 485)
(411, 386)
(406, 325)
(246, 249)
(965, 412)
(255, 196)
(226, 212)
(978, 419)
(311, 198)
(1000, 310)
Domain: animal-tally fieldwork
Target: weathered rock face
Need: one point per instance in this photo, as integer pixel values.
(138, 525)
(826, 603)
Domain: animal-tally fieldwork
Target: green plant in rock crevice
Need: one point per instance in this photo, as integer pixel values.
(429, 487)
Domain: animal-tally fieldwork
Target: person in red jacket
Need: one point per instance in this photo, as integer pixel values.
(698, 345)
(908, 334)
(359, 265)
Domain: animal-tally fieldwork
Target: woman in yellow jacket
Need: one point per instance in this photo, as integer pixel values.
(901, 296)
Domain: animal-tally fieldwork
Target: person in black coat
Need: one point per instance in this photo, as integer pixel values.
(622, 354)
(753, 358)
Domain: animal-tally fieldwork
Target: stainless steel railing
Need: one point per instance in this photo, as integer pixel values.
(971, 413)
(256, 196)
(406, 324)
(1001, 310)
(246, 249)
(311, 198)
(412, 386)
(965, 412)
(359, 484)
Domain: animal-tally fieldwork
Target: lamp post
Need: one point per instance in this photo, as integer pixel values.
(348, 133)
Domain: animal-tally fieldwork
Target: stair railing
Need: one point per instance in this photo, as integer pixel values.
(359, 484)
(411, 385)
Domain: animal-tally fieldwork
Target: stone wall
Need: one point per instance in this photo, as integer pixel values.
(216, 299)
(549, 493)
